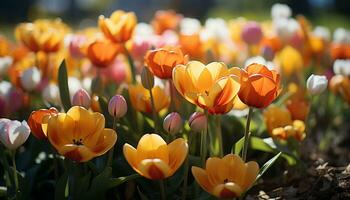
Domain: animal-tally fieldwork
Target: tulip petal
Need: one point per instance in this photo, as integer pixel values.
(130, 155)
(236, 168)
(201, 177)
(217, 70)
(152, 146)
(107, 140)
(178, 150)
(216, 170)
(227, 190)
(77, 153)
(251, 172)
(60, 130)
(154, 169)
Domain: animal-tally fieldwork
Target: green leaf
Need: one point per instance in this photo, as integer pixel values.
(267, 165)
(237, 148)
(149, 121)
(259, 144)
(63, 86)
(99, 185)
(61, 191)
(114, 182)
(84, 183)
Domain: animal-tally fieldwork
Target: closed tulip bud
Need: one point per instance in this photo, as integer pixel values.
(30, 78)
(147, 78)
(13, 133)
(198, 121)
(82, 98)
(316, 84)
(117, 106)
(172, 123)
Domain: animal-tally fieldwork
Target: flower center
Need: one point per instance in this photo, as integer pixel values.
(78, 142)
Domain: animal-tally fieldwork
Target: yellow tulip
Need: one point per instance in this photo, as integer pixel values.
(153, 158)
(209, 86)
(290, 60)
(119, 27)
(141, 100)
(227, 177)
(80, 135)
(295, 130)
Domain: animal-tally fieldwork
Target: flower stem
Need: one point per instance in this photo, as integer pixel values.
(184, 189)
(154, 112)
(219, 134)
(162, 190)
(131, 63)
(247, 134)
(15, 176)
(172, 96)
(204, 147)
(110, 153)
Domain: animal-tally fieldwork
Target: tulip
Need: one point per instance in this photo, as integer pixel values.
(316, 84)
(192, 45)
(38, 121)
(147, 78)
(172, 123)
(322, 32)
(276, 117)
(102, 53)
(117, 106)
(295, 130)
(252, 33)
(161, 62)
(190, 26)
(13, 133)
(5, 63)
(226, 177)
(51, 94)
(81, 98)
(342, 67)
(164, 20)
(280, 11)
(76, 46)
(198, 122)
(153, 158)
(290, 60)
(119, 27)
(298, 107)
(259, 85)
(141, 100)
(30, 78)
(285, 28)
(341, 36)
(207, 86)
(80, 135)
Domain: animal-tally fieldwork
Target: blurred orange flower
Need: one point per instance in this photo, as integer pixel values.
(162, 61)
(340, 85)
(38, 121)
(119, 26)
(164, 20)
(340, 51)
(102, 53)
(192, 45)
(259, 85)
(80, 135)
(209, 86)
(153, 158)
(227, 177)
(295, 130)
(141, 100)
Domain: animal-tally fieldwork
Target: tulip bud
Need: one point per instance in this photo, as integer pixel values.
(82, 98)
(117, 106)
(198, 121)
(252, 33)
(147, 78)
(172, 123)
(30, 78)
(316, 84)
(13, 133)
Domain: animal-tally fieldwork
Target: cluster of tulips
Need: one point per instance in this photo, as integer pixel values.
(81, 90)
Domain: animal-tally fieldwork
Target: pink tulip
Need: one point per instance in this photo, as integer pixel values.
(13, 133)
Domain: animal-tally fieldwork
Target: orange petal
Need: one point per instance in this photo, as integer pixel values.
(107, 140)
(251, 172)
(227, 190)
(201, 177)
(152, 146)
(178, 150)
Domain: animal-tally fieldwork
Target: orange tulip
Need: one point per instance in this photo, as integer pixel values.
(298, 107)
(162, 61)
(165, 20)
(38, 121)
(209, 86)
(295, 130)
(340, 51)
(102, 53)
(227, 177)
(259, 85)
(4, 46)
(340, 84)
(80, 135)
(153, 158)
(141, 100)
(42, 35)
(192, 45)
(119, 27)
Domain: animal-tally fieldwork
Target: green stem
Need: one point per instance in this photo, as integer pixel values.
(172, 96)
(131, 63)
(15, 176)
(154, 112)
(204, 146)
(184, 188)
(162, 190)
(110, 153)
(219, 134)
(246, 135)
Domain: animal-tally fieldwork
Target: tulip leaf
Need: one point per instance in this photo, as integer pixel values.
(259, 144)
(267, 165)
(61, 191)
(114, 182)
(99, 185)
(84, 183)
(237, 148)
(63, 86)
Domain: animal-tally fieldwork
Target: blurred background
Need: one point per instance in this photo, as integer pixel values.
(82, 13)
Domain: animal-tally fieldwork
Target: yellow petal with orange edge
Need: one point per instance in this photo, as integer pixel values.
(251, 172)
(152, 146)
(130, 155)
(236, 168)
(216, 176)
(99, 124)
(77, 153)
(217, 70)
(107, 140)
(60, 130)
(154, 169)
(201, 177)
(178, 150)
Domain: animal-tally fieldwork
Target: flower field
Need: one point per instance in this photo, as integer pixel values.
(175, 108)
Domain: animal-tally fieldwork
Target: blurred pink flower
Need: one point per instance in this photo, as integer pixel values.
(75, 46)
(117, 71)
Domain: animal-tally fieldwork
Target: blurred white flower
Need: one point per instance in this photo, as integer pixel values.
(260, 60)
(322, 32)
(316, 84)
(74, 85)
(190, 26)
(5, 88)
(341, 35)
(5, 63)
(13, 133)
(51, 94)
(286, 28)
(143, 30)
(30, 78)
(280, 11)
(86, 83)
(215, 28)
(342, 67)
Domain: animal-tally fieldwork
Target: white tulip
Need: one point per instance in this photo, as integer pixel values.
(30, 78)
(13, 133)
(342, 67)
(74, 85)
(286, 28)
(280, 11)
(190, 26)
(341, 36)
(215, 28)
(51, 94)
(5, 88)
(322, 32)
(5, 63)
(316, 84)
